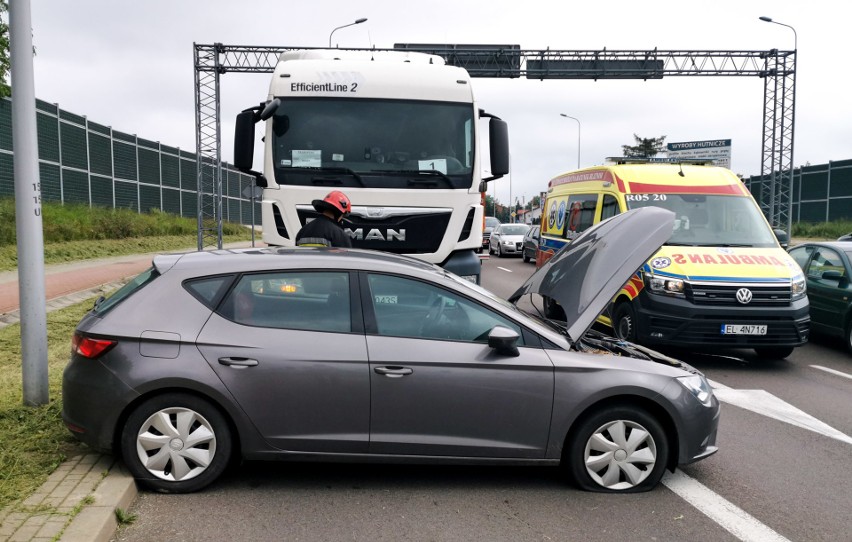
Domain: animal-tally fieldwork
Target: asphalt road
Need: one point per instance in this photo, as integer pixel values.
(784, 471)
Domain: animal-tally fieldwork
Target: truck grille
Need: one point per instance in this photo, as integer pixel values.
(763, 295)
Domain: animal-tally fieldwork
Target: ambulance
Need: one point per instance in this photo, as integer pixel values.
(722, 279)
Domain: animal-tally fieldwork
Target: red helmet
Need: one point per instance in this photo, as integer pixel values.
(335, 201)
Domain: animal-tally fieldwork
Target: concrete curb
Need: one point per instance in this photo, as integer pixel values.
(97, 522)
(77, 503)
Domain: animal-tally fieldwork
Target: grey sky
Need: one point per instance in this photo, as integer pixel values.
(129, 65)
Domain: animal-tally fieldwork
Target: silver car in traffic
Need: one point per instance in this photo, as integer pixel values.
(508, 239)
(335, 354)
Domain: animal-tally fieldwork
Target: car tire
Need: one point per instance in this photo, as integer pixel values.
(773, 352)
(499, 252)
(526, 258)
(167, 439)
(624, 321)
(620, 449)
(849, 337)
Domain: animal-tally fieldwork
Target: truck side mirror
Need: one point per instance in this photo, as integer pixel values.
(498, 139)
(244, 141)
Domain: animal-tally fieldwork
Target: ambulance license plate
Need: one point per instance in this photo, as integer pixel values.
(743, 329)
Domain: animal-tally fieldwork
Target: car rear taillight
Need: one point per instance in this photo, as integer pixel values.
(88, 347)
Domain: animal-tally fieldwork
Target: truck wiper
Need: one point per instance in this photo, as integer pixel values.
(324, 180)
(432, 173)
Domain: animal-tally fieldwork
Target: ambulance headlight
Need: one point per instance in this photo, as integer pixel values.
(665, 286)
(799, 288)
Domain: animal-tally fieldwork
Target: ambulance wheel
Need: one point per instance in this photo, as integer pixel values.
(774, 352)
(624, 322)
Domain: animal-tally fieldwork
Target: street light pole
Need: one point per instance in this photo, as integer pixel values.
(578, 135)
(358, 21)
(792, 123)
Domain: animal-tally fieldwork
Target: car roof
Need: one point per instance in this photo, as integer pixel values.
(843, 246)
(258, 259)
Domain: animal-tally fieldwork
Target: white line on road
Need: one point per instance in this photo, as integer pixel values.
(832, 371)
(734, 519)
(504, 269)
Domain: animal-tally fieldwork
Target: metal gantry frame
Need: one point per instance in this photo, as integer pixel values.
(776, 67)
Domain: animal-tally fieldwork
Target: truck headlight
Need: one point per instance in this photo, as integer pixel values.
(799, 288)
(666, 286)
(698, 386)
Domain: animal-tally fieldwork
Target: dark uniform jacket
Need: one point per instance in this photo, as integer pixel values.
(323, 231)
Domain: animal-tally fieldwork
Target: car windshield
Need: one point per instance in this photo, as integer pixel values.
(373, 143)
(519, 229)
(710, 220)
(491, 222)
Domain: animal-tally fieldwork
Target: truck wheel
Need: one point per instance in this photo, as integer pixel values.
(624, 322)
(773, 352)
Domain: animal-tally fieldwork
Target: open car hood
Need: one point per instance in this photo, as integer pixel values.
(588, 272)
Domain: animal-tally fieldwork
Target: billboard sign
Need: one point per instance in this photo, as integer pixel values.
(718, 150)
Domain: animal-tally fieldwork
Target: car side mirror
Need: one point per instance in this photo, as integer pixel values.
(781, 235)
(504, 341)
(832, 274)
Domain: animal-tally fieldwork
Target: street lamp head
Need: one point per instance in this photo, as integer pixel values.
(563, 115)
(361, 20)
(766, 19)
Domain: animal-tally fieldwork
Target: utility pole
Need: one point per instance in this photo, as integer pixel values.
(30, 237)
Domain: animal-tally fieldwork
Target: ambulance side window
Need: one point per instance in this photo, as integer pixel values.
(609, 208)
(581, 214)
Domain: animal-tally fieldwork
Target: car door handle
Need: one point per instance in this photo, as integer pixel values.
(393, 372)
(238, 362)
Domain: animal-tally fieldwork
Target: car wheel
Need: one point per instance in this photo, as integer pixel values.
(619, 449)
(773, 352)
(849, 337)
(176, 443)
(526, 258)
(624, 322)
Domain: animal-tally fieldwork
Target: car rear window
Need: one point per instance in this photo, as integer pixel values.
(102, 306)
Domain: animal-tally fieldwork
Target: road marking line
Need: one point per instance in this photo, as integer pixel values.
(832, 371)
(731, 517)
(717, 385)
(504, 269)
(764, 403)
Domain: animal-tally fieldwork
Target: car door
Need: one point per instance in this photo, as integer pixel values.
(828, 290)
(437, 388)
(290, 348)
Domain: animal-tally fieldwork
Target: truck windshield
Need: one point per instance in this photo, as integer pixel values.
(373, 143)
(710, 220)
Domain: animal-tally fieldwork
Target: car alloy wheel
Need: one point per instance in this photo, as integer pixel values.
(176, 443)
(620, 449)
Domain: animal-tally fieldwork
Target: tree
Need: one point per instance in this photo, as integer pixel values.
(645, 147)
(5, 65)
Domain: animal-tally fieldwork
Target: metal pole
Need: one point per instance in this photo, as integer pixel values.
(30, 237)
(578, 136)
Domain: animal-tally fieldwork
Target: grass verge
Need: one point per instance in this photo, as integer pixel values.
(34, 439)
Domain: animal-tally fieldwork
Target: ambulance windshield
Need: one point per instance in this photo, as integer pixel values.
(710, 220)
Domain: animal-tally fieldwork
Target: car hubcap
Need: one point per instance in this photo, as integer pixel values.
(176, 444)
(620, 455)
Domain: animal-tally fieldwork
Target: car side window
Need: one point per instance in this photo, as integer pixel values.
(580, 214)
(304, 300)
(410, 308)
(825, 259)
(801, 255)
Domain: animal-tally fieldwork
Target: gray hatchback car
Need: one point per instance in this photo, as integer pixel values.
(349, 355)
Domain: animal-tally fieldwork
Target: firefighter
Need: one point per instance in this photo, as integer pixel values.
(326, 230)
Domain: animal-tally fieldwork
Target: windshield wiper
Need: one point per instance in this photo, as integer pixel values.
(325, 181)
(432, 173)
